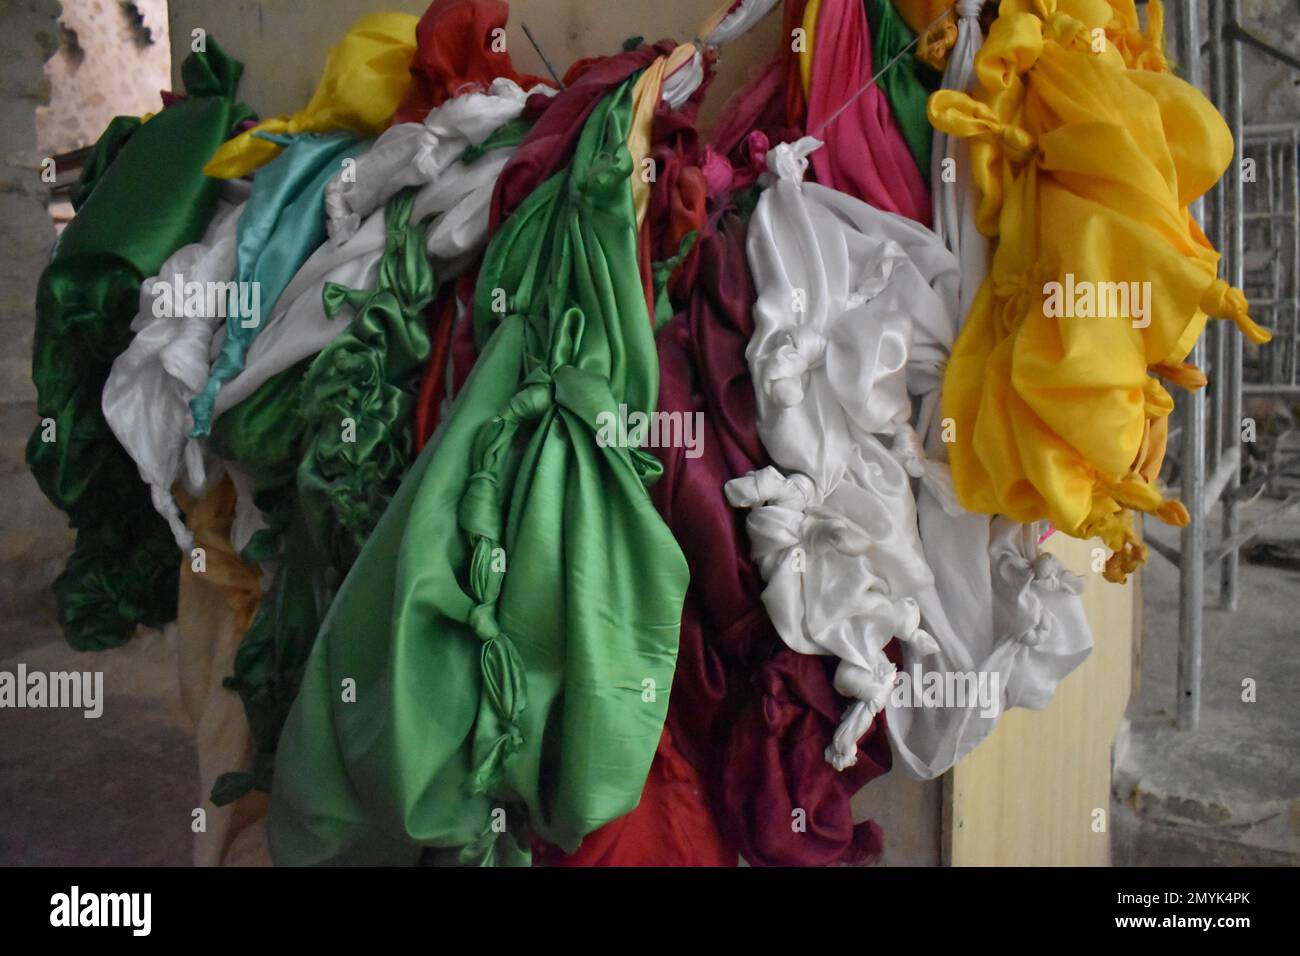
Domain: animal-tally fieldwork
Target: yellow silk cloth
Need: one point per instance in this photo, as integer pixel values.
(365, 76)
(934, 39)
(1141, 49)
(810, 14)
(645, 97)
(1084, 169)
(215, 607)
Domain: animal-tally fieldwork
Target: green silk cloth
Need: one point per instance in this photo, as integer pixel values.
(144, 196)
(907, 95)
(327, 442)
(498, 661)
(282, 224)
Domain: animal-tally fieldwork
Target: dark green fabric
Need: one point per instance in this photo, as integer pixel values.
(115, 136)
(367, 377)
(149, 200)
(902, 84)
(511, 626)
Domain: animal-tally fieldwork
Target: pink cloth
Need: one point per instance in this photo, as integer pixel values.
(865, 154)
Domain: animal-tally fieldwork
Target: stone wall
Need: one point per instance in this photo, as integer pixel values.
(33, 535)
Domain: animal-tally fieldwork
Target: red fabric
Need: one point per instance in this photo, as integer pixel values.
(454, 55)
(672, 825)
(864, 154)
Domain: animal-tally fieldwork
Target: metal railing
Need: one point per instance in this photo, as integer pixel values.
(1258, 231)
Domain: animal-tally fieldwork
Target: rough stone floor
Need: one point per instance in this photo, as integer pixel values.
(1230, 792)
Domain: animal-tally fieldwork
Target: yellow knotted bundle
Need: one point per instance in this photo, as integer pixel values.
(366, 75)
(1085, 168)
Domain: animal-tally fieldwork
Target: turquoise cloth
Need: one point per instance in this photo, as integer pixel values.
(282, 225)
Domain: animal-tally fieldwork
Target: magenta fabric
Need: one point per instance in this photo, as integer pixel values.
(865, 154)
(752, 715)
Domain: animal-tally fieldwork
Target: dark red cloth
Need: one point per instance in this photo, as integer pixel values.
(559, 120)
(454, 54)
(752, 715)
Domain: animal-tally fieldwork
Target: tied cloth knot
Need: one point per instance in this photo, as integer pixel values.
(870, 685)
(1224, 301)
(959, 115)
(803, 350)
(789, 161)
(479, 516)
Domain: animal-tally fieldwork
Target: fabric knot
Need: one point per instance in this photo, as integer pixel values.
(789, 161)
(483, 619)
(870, 684)
(1050, 575)
(969, 8)
(1183, 374)
(803, 350)
(769, 486)
(1038, 632)
(1224, 301)
(960, 115)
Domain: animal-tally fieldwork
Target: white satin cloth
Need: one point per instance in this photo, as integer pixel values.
(839, 283)
(1010, 610)
(146, 399)
(861, 539)
(413, 154)
(454, 200)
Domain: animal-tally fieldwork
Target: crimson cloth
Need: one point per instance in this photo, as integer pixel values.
(456, 52)
(865, 154)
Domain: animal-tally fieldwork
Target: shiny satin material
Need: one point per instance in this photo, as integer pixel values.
(141, 209)
(836, 537)
(902, 85)
(365, 380)
(413, 154)
(456, 53)
(282, 224)
(507, 641)
(559, 122)
(452, 203)
(146, 398)
(752, 714)
(865, 154)
(366, 74)
(1085, 169)
(347, 421)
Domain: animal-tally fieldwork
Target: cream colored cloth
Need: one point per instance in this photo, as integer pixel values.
(215, 607)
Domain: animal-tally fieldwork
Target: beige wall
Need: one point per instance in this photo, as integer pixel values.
(262, 32)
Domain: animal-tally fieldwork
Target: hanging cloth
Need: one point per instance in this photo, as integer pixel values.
(141, 210)
(365, 76)
(282, 224)
(459, 48)
(1085, 169)
(865, 154)
(903, 87)
(508, 640)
